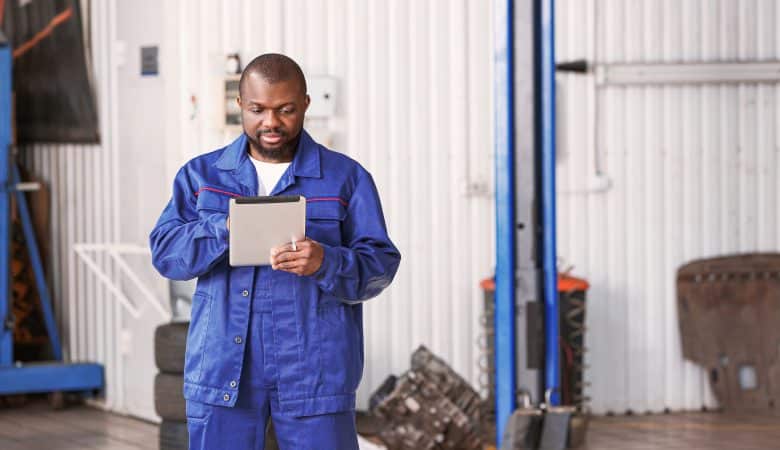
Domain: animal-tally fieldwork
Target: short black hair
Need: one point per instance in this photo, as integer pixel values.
(274, 67)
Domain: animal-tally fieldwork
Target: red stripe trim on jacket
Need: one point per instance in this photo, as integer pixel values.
(219, 191)
(327, 199)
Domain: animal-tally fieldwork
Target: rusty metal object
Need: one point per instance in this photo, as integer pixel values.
(431, 407)
(729, 311)
(452, 385)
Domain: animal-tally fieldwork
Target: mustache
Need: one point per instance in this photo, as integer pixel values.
(278, 131)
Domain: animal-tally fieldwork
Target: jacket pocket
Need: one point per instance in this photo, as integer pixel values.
(341, 360)
(324, 221)
(212, 200)
(196, 339)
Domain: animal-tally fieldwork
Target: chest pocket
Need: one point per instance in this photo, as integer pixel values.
(210, 202)
(323, 221)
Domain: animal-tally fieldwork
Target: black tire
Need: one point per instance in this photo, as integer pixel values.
(168, 397)
(170, 341)
(173, 435)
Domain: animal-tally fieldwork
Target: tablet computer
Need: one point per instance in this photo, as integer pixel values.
(258, 224)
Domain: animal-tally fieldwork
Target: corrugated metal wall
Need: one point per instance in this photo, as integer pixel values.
(414, 108)
(692, 169)
(693, 172)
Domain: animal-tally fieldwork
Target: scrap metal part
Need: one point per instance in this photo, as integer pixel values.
(431, 407)
(452, 385)
(422, 417)
(728, 310)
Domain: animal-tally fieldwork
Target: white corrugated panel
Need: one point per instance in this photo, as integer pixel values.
(692, 169)
(414, 108)
(693, 172)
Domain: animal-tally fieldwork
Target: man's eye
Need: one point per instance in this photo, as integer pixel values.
(287, 110)
(256, 111)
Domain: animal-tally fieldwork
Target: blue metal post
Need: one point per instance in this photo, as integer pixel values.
(6, 329)
(503, 60)
(546, 59)
(35, 258)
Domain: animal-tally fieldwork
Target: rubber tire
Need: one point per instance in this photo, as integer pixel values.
(173, 435)
(170, 342)
(169, 398)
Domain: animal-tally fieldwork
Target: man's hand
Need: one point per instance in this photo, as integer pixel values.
(303, 261)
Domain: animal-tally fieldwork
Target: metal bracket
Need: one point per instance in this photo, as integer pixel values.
(115, 252)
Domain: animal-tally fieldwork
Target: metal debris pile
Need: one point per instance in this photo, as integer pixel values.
(429, 407)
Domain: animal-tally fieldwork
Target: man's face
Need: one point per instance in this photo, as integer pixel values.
(272, 115)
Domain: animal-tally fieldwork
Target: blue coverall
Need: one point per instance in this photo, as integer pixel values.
(270, 342)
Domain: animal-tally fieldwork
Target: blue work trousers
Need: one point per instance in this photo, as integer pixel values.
(243, 426)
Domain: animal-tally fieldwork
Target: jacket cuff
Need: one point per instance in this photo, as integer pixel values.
(326, 274)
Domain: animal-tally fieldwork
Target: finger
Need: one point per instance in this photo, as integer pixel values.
(292, 266)
(289, 256)
(282, 248)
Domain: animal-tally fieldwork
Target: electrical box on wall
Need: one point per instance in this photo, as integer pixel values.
(322, 90)
(232, 112)
(149, 61)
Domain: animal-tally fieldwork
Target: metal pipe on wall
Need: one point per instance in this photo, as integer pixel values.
(545, 42)
(503, 61)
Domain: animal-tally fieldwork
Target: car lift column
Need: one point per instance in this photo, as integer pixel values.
(528, 288)
(505, 215)
(526, 315)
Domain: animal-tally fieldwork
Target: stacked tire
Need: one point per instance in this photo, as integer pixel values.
(169, 344)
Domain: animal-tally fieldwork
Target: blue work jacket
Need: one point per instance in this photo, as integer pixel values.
(317, 319)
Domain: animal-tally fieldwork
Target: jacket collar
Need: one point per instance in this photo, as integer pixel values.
(305, 163)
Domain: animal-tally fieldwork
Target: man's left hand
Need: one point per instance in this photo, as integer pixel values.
(306, 260)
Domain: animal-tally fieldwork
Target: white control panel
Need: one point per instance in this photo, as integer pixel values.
(322, 90)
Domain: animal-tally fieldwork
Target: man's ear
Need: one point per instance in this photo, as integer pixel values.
(238, 101)
(306, 103)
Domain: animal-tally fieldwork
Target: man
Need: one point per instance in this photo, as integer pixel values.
(283, 341)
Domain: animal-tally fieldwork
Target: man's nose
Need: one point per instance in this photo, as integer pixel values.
(271, 120)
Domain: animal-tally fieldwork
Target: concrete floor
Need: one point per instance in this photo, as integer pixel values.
(37, 427)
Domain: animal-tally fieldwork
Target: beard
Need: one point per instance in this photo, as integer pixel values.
(284, 152)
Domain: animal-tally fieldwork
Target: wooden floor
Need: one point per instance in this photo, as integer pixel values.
(37, 427)
(691, 431)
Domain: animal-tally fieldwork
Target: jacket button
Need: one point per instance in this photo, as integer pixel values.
(245, 293)
(238, 340)
(226, 397)
(233, 384)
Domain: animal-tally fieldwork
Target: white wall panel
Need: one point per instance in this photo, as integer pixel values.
(414, 88)
(414, 108)
(693, 171)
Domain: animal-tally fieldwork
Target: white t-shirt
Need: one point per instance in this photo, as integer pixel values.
(268, 174)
